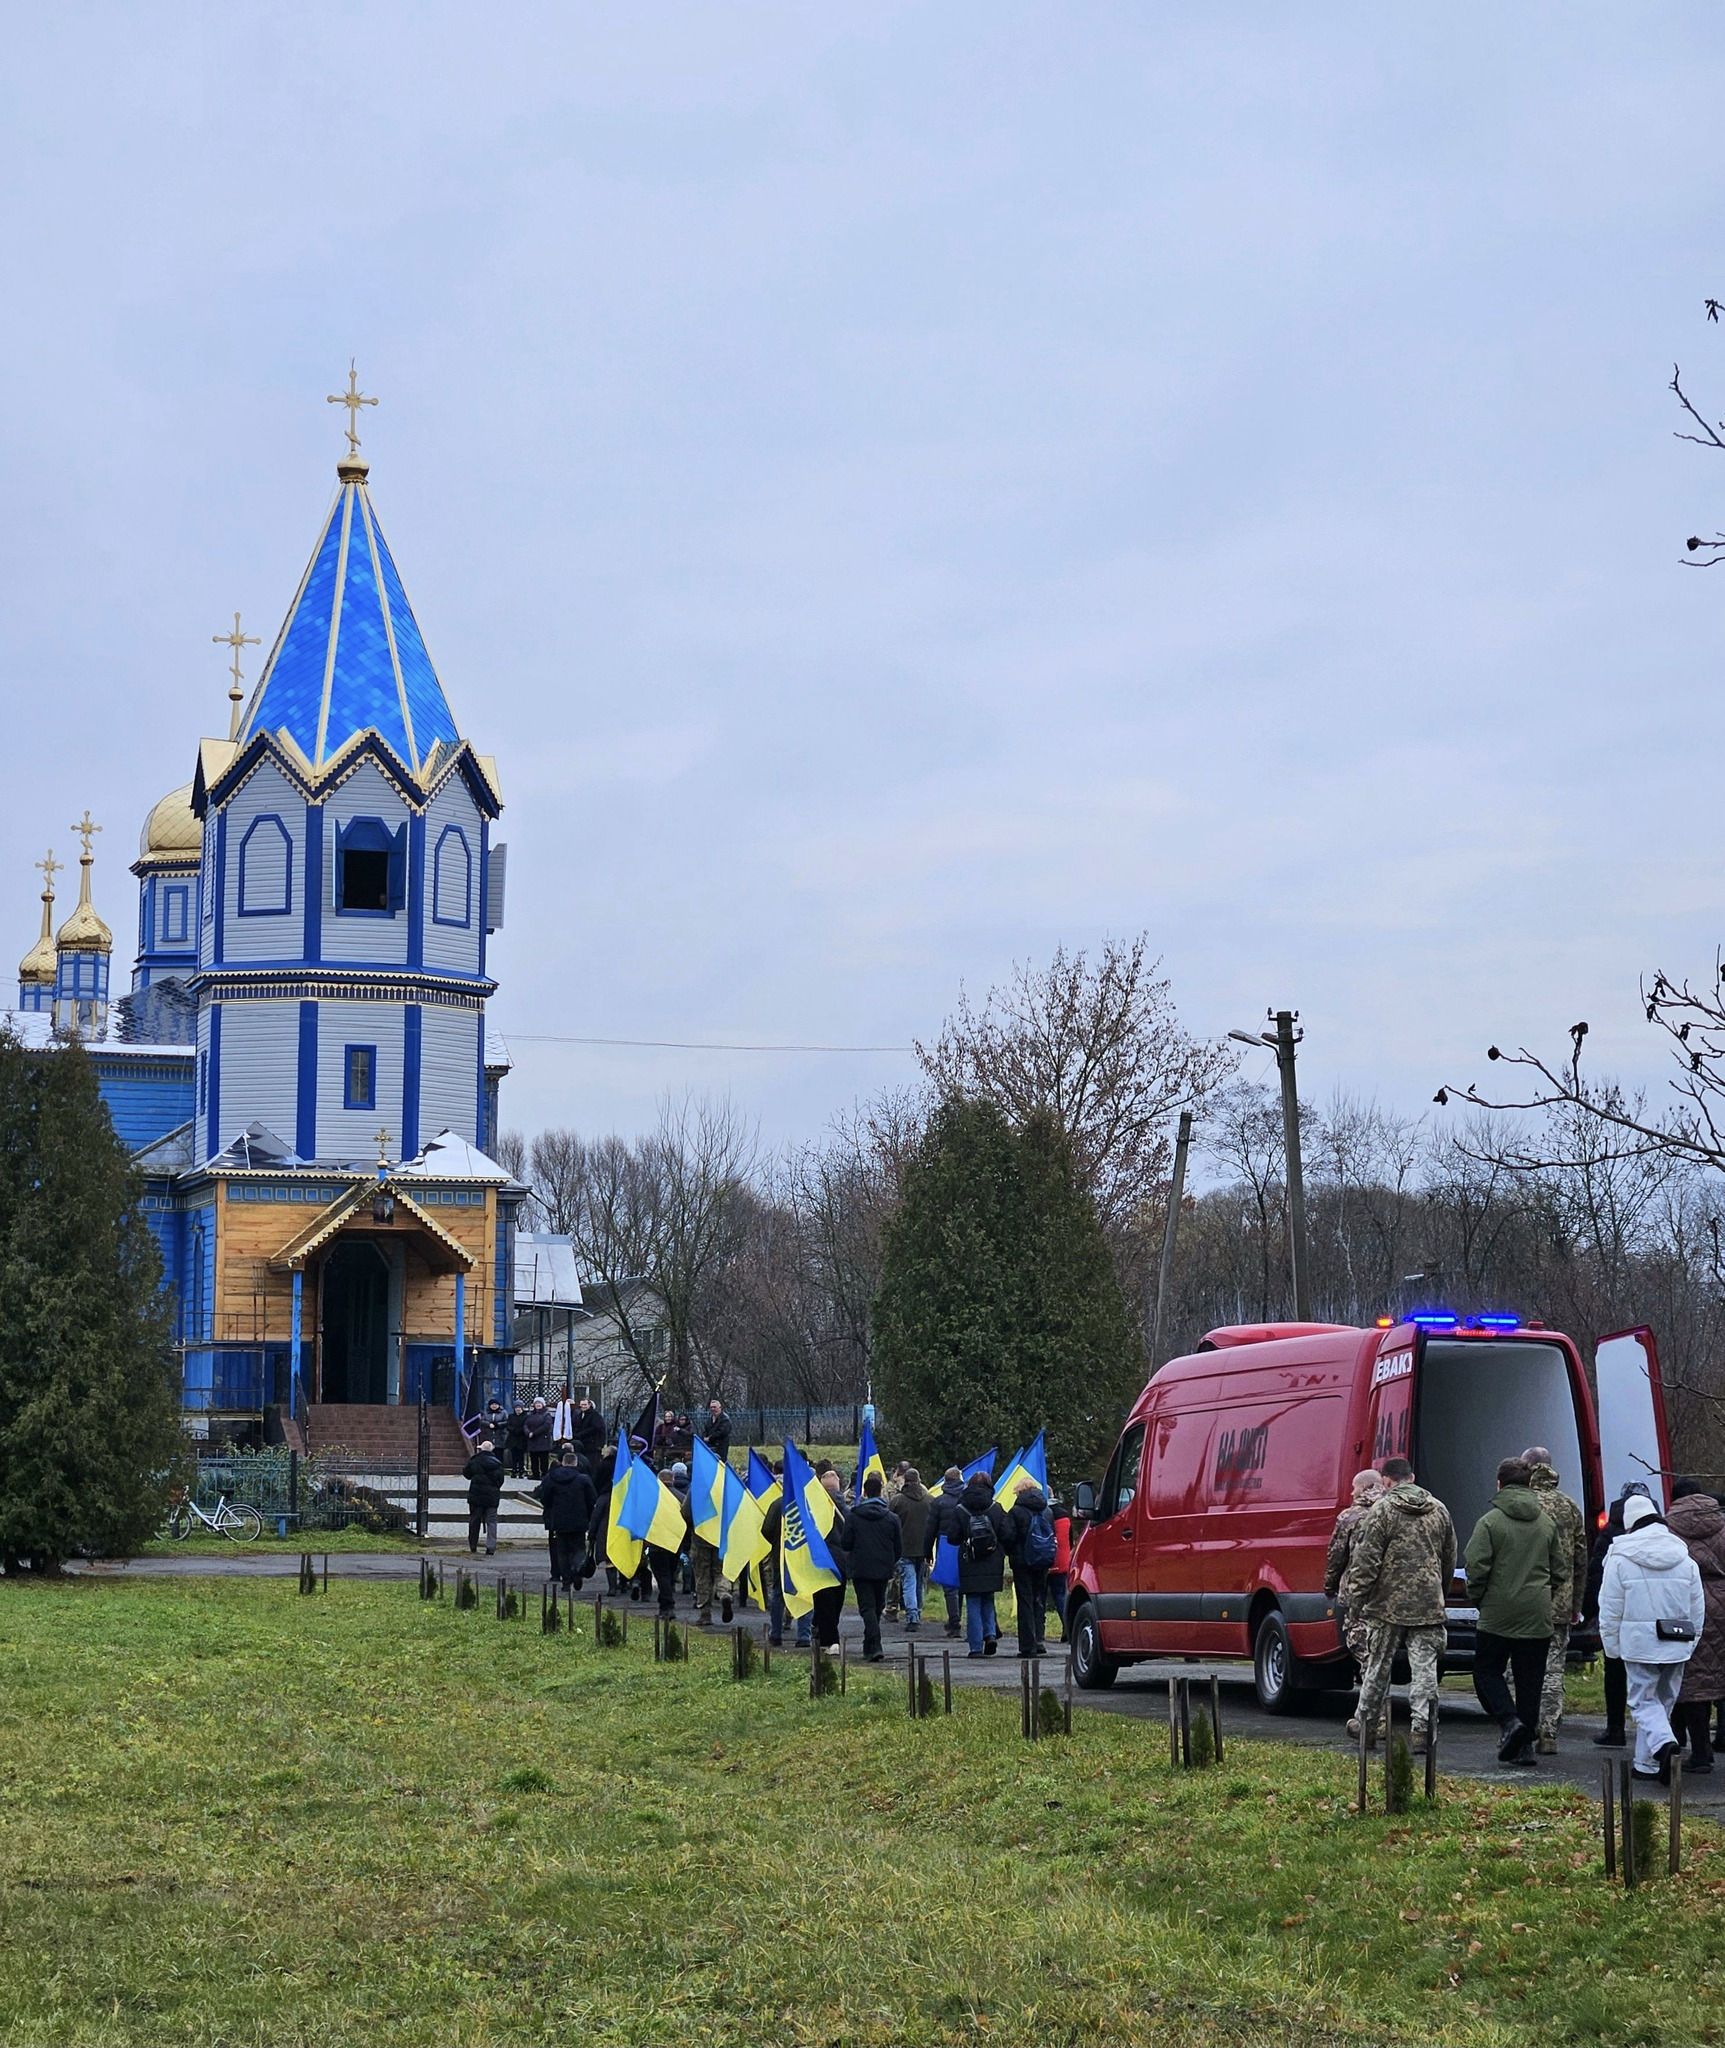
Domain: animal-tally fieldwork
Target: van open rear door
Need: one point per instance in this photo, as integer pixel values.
(1632, 1439)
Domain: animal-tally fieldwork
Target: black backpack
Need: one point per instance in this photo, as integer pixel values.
(981, 1539)
(1039, 1546)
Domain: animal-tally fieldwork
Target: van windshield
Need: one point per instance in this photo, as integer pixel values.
(1482, 1402)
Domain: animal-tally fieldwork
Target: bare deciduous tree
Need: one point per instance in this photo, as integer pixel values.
(1100, 1048)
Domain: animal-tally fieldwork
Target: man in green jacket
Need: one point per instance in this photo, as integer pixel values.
(1516, 1560)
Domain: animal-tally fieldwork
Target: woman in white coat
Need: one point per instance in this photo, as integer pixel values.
(1651, 1613)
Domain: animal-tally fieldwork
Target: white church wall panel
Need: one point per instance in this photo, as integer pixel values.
(259, 1068)
(453, 910)
(348, 1119)
(449, 1073)
(264, 883)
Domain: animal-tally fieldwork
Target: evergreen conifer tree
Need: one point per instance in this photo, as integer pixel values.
(999, 1313)
(90, 1436)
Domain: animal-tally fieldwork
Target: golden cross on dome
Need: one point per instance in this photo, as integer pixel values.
(353, 398)
(86, 828)
(236, 696)
(383, 1145)
(50, 868)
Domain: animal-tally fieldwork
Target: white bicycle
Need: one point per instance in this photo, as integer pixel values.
(236, 1520)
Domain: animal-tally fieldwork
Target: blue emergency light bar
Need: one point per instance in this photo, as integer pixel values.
(1432, 1319)
(1497, 1322)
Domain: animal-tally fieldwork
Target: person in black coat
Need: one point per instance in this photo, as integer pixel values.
(979, 1530)
(484, 1475)
(951, 1488)
(538, 1435)
(830, 1600)
(873, 1543)
(568, 1497)
(1030, 1549)
(588, 1434)
(716, 1429)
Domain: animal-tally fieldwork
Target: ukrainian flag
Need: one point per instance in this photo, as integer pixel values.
(868, 1459)
(742, 1543)
(643, 1510)
(1029, 1464)
(761, 1483)
(706, 1493)
(944, 1570)
(806, 1564)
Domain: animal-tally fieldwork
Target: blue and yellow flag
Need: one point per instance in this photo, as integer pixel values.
(1029, 1464)
(868, 1459)
(742, 1541)
(761, 1481)
(806, 1564)
(706, 1493)
(643, 1510)
(944, 1570)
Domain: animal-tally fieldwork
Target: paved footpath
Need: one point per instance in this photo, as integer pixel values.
(1468, 1743)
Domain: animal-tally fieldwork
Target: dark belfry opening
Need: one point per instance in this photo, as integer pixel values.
(364, 880)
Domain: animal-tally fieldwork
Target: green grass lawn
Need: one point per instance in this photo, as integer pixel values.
(318, 1541)
(232, 1815)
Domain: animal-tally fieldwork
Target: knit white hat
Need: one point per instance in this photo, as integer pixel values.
(1636, 1510)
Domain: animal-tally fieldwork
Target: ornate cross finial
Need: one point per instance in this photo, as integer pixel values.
(353, 398)
(236, 696)
(382, 1145)
(50, 868)
(86, 829)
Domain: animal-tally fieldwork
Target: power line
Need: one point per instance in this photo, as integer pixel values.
(687, 1044)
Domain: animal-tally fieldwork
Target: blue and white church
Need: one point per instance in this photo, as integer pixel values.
(302, 1067)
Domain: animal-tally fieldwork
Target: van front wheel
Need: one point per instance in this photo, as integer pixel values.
(1092, 1670)
(1275, 1668)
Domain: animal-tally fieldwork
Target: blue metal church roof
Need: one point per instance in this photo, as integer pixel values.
(350, 655)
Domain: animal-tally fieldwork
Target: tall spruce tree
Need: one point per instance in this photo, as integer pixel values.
(90, 1436)
(999, 1313)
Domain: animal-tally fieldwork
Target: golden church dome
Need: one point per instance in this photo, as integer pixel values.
(171, 828)
(37, 968)
(84, 932)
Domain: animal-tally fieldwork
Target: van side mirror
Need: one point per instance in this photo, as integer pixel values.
(1084, 1501)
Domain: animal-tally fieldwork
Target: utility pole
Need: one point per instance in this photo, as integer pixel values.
(1282, 1042)
(1286, 1040)
(1176, 1190)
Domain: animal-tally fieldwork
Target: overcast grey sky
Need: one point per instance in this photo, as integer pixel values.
(898, 487)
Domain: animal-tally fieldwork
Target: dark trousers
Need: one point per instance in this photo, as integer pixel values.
(1693, 1722)
(664, 1564)
(482, 1519)
(1525, 1656)
(954, 1611)
(568, 1548)
(517, 1460)
(829, 1605)
(1616, 1695)
(539, 1463)
(871, 1598)
(1031, 1588)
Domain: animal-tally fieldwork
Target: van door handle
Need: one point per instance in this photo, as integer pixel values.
(1127, 1531)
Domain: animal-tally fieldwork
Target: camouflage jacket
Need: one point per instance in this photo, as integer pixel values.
(1341, 1549)
(1403, 1561)
(1565, 1593)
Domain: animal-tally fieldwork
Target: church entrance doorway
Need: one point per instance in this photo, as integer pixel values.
(355, 1346)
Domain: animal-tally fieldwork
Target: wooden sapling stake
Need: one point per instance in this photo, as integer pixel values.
(1361, 1799)
(1626, 1800)
(1674, 1847)
(1216, 1713)
(1173, 1724)
(1067, 1708)
(1024, 1719)
(1186, 1722)
(766, 1650)
(1431, 1751)
(946, 1677)
(326, 1571)
(1608, 1819)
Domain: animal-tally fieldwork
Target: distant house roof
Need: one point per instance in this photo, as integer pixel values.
(545, 1275)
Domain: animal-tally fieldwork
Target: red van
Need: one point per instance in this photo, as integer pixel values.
(1207, 1536)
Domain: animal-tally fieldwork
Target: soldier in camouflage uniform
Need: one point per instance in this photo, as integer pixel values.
(1366, 1488)
(1397, 1582)
(1565, 1593)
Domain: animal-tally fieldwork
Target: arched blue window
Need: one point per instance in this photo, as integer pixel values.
(452, 879)
(370, 868)
(266, 868)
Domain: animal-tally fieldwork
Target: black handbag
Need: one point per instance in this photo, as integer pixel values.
(1673, 1631)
